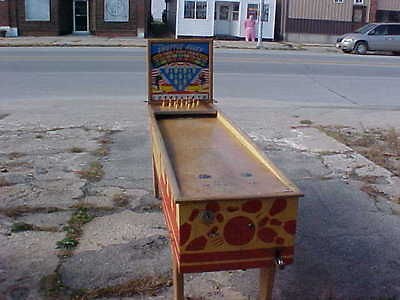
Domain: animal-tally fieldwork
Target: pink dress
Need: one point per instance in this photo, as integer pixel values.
(250, 29)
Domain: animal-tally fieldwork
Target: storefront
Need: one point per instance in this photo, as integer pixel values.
(222, 18)
(100, 17)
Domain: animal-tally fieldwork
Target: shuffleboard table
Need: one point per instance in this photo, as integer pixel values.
(226, 205)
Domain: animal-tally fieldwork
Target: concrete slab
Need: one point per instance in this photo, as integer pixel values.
(117, 264)
(24, 259)
(120, 228)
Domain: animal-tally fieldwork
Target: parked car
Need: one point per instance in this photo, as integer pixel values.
(371, 37)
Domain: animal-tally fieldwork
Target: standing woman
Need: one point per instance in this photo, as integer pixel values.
(250, 28)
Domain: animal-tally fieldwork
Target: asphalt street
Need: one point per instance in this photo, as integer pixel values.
(119, 73)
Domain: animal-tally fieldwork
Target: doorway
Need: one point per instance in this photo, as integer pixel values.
(81, 16)
(226, 18)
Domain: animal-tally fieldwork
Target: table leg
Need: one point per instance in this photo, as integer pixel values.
(178, 282)
(155, 181)
(267, 276)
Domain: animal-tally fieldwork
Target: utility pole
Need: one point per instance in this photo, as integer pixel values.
(260, 12)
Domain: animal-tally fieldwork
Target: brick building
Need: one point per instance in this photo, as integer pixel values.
(56, 17)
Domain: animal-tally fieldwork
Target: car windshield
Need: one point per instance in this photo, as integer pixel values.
(364, 29)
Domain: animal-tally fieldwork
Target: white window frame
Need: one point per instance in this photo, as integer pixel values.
(358, 2)
(195, 9)
(339, 1)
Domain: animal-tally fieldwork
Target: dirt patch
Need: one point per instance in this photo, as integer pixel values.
(382, 146)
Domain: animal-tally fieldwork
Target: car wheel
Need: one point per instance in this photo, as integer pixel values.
(361, 48)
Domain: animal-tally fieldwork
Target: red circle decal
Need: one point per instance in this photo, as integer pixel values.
(239, 231)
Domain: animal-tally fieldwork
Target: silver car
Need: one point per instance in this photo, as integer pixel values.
(371, 37)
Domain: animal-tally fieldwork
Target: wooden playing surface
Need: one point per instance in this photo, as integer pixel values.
(210, 162)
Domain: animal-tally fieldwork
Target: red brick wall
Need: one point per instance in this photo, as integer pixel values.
(4, 16)
(38, 27)
(372, 10)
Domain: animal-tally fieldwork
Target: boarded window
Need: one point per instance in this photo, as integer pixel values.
(116, 10)
(37, 10)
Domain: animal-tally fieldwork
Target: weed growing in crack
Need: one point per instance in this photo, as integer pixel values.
(74, 230)
(76, 150)
(21, 226)
(4, 182)
(306, 122)
(120, 199)
(142, 286)
(102, 151)
(15, 155)
(93, 173)
(67, 243)
(51, 286)
(24, 209)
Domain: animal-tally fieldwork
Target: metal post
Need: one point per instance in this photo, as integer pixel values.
(260, 12)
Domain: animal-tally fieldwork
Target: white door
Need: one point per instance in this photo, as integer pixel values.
(81, 16)
(223, 12)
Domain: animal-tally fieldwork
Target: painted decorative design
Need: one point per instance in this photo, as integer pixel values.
(180, 71)
(248, 224)
(116, 10)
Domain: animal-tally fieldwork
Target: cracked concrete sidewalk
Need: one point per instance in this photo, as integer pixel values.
(347, 240)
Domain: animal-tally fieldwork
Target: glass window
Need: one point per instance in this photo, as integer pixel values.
(381, 30)
(358, 15)
(37, 10)
(358, 1)
(201, 10)
(265, 13)
(252, 9)
(189, 10)
(394, 29)
(224, 12)
(116, 10)
(235, 12)
(195, 10)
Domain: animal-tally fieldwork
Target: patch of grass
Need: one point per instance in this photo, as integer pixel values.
(15, 155)
(24, 209)
(378, 145)
(93, 173)
(21, 226)
(4, 182)
(51, 286)
(306, 122)
(121, 199)
(143, 286)
(76, 150)
(102, 151)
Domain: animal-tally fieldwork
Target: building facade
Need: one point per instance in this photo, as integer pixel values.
(208, 18)
(386, 11)
(321, 21)
(56, 17)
